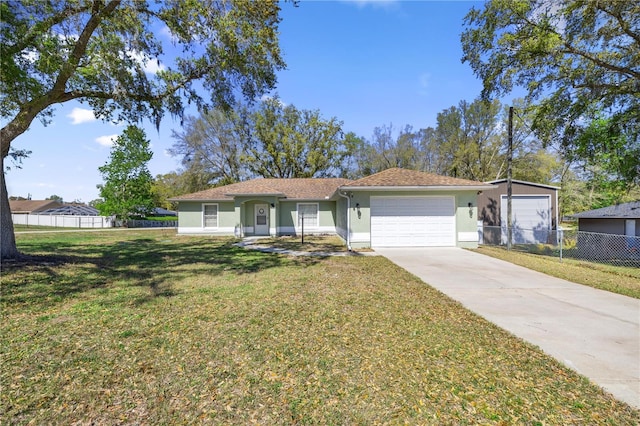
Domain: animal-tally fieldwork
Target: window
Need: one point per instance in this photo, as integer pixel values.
(310, 214)
(210, 215)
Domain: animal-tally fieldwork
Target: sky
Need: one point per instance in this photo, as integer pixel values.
(367, 63)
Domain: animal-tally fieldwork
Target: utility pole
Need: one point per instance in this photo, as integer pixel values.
(509, 180)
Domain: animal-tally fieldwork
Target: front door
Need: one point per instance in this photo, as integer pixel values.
(262, 219)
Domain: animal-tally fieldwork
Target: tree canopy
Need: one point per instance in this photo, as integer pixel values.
(287, 142)
(578, 59)
(101, 53)
(127, 191)
(210, 147)
(271, 140)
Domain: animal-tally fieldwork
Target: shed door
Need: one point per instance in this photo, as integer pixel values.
(413, 221)
(530, 218)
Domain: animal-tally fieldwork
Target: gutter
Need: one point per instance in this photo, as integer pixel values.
(348, 218)
(419, 188)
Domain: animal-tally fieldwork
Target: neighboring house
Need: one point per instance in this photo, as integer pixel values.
(534, 212)
(159, 211)
(72, 210)
(619, 219)
(395, 207)
(32, 206)
(50, 207)
(610, 233)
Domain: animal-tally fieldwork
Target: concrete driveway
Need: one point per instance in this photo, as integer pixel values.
(594, 332)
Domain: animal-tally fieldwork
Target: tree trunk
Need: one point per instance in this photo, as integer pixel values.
(8, 133)
(8, 248)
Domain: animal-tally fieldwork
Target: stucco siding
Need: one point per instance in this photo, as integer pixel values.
(341, 217)
(467, 219)
(288, 218)
(190, 218)
(190, 214)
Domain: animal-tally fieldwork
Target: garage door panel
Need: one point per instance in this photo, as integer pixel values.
(412, 221)
(531, 218)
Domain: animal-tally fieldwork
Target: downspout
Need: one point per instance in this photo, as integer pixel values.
(557, 211)
(348, 219)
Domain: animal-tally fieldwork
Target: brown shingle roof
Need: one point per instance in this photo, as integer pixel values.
(300, 189)
(397, 177)
(32, 206)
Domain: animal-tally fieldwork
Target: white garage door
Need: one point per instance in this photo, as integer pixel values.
(413, 221)
(530, 218)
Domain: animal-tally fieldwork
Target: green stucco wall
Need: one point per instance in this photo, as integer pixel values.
(332, 215)
(190, 214)
(288, 214)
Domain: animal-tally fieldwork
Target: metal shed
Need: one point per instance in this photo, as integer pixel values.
(534, 212)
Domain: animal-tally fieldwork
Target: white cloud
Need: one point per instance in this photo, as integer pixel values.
(264, 98)
(81, 115)
(165, 31)
(45, 185)
(149, 65)
(424, 81)
(106, 140)
(374, 3)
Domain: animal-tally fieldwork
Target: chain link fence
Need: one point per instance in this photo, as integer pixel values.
(615, 250)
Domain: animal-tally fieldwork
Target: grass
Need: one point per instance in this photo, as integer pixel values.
(617, 279)
(25, 228)
(312, 243)
(150, 328)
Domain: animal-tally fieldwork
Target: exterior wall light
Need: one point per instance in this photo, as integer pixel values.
(470, 209)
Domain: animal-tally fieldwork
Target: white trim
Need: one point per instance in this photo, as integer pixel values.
(468, 236)
(419, 188)
(524, 182)
(308, 226)
(194, 230)
(630, 227)
(361, 237)
(217, 215)
(297, 230)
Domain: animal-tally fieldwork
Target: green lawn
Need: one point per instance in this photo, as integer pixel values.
(617, 279)
(27, 228)
(149, 328)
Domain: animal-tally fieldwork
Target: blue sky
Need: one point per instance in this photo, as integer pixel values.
(367, 63)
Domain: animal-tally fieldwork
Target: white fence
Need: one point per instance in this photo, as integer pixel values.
(62, 221)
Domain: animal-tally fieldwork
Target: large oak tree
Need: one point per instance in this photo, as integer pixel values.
(578, 59)
(287, 142)
(95, 51)
(271, 140)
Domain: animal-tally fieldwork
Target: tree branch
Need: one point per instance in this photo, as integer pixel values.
(80, 48)
(611, 67)
(40, 27)
(623, 24)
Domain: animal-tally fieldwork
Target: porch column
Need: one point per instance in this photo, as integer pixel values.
(239, 226)
(274, 221)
